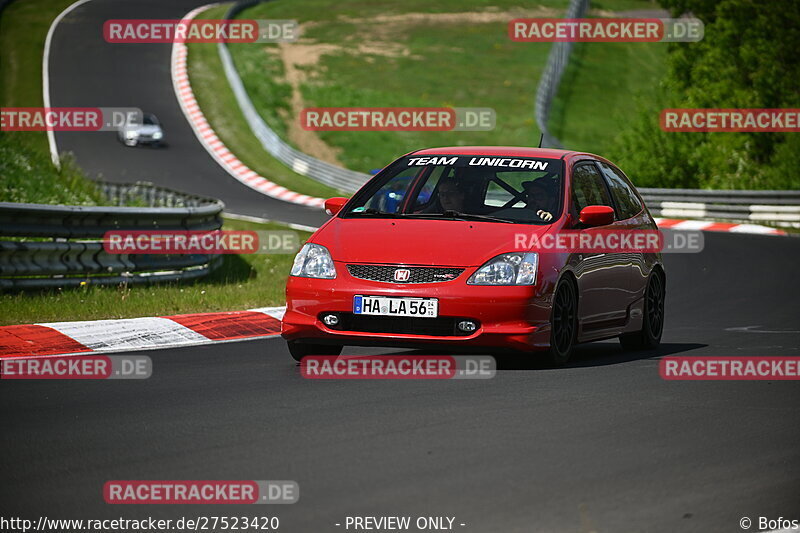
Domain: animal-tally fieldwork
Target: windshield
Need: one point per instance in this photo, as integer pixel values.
(509, 189)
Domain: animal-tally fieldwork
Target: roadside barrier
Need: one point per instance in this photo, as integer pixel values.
(304, 164)
(61, 245)
(777, 208)
(557, 62)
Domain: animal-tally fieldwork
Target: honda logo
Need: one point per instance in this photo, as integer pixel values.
(402, 274)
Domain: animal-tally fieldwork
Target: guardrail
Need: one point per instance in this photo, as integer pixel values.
(557, 62)
(349, 180)
(779, 208)
(61, 245)
(304, 164)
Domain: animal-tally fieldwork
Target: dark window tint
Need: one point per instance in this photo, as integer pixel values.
(628, 204)
(588, 188)
(514, 189)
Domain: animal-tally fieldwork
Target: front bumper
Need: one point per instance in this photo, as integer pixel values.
(516, 318)
(147, 139)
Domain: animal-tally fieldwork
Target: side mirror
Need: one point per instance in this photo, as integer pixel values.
(334, 205)
(597, 215)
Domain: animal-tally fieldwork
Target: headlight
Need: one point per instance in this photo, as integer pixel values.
(130, 134)
(516, 268)
(313, 261)
(157, 135)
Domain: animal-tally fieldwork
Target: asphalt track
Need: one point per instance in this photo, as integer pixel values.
(85, 71)
(603, 445)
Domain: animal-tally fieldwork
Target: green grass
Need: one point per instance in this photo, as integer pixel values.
(242, 282)
(28, 176)
(598, 93)
(433, 75)
(23, 28)
(466, 64)
(219, 106)
(623, 5)
(452, 64)
(26, 171)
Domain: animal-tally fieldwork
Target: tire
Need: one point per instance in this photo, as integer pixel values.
(653, 320)
(563, 323)
(298, 351)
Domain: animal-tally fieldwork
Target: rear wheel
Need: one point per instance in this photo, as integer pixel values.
(298, 350)
(563, 323)
(653, 320)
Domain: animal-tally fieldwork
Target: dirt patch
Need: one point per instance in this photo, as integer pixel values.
(402, 20)
(634, 13)
(298, 58)
(304, 55)
(295, 57)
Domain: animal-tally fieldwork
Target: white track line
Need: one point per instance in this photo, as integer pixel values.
(51, 137)
(260, 220)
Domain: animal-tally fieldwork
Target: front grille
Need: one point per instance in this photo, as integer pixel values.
(417, 274)
(443, 326)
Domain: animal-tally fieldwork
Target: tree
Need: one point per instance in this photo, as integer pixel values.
(748, 59)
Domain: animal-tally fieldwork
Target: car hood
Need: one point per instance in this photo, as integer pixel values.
(421, 242)
(144, 129)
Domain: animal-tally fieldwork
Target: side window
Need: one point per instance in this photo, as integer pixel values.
(390, 197)
(588, 188)
(628, 205)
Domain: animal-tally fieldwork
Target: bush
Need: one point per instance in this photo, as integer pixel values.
(748, 59)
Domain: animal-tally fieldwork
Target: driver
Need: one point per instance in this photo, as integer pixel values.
(539, 198)
(451, 195)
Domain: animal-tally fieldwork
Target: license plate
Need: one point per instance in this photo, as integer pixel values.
(385, 306)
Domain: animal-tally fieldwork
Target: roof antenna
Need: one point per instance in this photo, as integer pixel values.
(541, 138)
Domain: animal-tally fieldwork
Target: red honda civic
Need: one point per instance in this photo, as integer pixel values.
(442, 250)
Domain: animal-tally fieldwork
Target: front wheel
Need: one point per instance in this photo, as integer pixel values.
(653, 320)
(298, 350)
(563, 323)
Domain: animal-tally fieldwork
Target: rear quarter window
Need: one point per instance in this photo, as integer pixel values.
(628, 204)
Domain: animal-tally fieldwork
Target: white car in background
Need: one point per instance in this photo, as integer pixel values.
(148, 132)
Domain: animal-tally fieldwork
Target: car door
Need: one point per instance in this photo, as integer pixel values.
(629, 211)
(603, 278)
